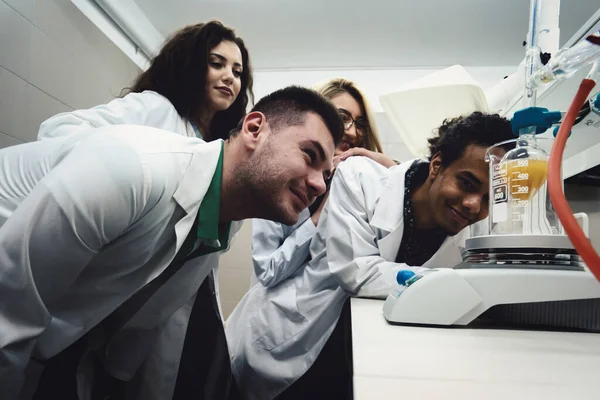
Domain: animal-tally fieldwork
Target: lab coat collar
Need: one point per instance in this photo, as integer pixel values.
(208, 214)
(196, 130)
(197, 178)
(214, 235)
(194, 185)
(389, 217)
(389, 213)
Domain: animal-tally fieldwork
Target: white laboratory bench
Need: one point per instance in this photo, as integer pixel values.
(392, 361)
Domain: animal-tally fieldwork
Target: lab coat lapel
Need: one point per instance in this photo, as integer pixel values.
(389, 212)
(194, 185)
(389, 245)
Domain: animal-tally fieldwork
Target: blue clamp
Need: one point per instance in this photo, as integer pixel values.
(407, 277)
(404, 275)
(539, 117)
(555, 131)
(596, 102)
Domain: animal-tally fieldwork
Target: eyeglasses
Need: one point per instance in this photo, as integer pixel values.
(362, 127)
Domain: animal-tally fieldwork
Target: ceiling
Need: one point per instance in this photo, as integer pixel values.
(351, 34)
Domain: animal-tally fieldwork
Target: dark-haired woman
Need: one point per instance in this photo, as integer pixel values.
(199, 85)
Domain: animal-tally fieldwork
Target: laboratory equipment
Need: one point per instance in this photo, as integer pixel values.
(568, 61)
(525, 271)
(522, 271)
(515, 276)
(509, 278)
(519, 201)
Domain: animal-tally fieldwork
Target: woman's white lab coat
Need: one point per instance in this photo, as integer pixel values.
(77, 238)
(275, 334)
(147, 108)
(278, 250)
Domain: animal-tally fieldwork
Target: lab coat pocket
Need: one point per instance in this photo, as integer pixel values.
(279, 320)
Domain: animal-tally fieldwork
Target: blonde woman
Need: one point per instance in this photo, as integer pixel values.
(361, 137)
(279, 250)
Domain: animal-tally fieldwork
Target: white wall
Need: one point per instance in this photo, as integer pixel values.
(52, 59)
(374, 82)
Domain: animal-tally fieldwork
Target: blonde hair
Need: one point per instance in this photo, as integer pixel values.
(336, 86)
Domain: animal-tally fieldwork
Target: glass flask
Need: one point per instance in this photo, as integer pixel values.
(519, 199)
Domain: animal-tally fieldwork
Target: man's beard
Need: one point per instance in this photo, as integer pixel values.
(262, 185)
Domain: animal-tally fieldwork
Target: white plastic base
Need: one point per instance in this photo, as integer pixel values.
(458, 296)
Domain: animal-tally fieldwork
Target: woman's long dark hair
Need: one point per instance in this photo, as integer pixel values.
(179, 72)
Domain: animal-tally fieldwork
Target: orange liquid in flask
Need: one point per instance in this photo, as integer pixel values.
(526, 177)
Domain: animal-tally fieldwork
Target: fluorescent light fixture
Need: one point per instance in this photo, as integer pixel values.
(133, 21)
(125, 25)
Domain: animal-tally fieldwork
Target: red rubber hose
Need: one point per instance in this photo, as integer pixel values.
(563, 211)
